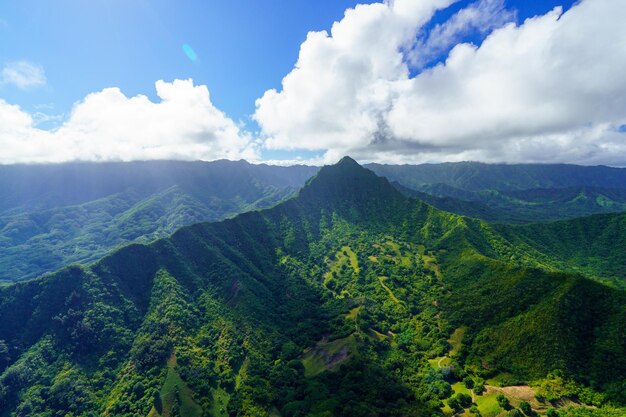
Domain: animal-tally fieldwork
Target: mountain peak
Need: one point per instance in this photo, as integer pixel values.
(347, 181)
(347, 161)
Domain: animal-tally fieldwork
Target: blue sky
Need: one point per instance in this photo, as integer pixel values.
(237, 49)
(243, 47)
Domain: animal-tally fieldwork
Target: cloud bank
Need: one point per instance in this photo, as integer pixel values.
(552, 89)
(107, 126)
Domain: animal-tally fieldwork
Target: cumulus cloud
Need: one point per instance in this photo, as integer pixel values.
(108, 125)
(480, 17)
(23, 74)
(551, 89)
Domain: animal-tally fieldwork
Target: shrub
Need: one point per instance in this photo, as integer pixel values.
(503, 401)
(551, 412)
(525, 407)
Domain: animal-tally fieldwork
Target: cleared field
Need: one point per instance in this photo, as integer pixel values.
(175, 393)
(327, 355)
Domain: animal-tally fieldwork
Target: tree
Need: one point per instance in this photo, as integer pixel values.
(503, 401)
(453, 402)
(464, 399)
(526, 408)
(4, 354)
(479, 386)
(460, 400)
(515, 413)
(468, 381)
(138, 389)
(551, 412)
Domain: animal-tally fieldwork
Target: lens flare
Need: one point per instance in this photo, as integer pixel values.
(191, 54)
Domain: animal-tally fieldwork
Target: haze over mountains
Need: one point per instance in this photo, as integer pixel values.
(53, 215)
(349, 299)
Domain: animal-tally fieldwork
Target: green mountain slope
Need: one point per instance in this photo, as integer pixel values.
(335, 302)
(523, 206)
(593, 246)
(53, 215)
(476, 176)
(513, 193)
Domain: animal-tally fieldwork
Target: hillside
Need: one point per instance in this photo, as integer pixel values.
(476, 176)
(54, 215)
(335, 302)
(57, 214)
(512, 193)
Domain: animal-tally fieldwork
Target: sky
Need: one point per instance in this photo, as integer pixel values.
(403, 81)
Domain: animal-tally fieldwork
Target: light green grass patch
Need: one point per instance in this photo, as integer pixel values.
(430, 262)
(440, 362)
(327, 355)
(219, 405)
(488, 405)
(341, 259)
(174, 389)
(456, 341)
(391, 294)
(501, 380)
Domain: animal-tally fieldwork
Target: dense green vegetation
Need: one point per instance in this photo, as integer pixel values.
(476, 176)
(512, 193)
(348, 300)
(53, 215)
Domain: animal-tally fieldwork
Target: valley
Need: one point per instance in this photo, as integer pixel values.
(348, 299)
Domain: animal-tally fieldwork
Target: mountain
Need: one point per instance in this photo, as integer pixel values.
(56, 214)
(513, 193)
(53, 215)
(469, 208)
(349, 299)
(476, 176)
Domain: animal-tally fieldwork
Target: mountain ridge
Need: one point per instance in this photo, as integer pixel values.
(241, 303)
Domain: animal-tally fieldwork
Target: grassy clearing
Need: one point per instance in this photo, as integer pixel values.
(456, 341)
(353, 315)
(430, 262)
(393, 251)
(391, 294)
(501, 380)
(219, 404)
(343, 258)
(327, 355)
(440, 362)
(398, 257)
(488, 405)
(174, 391)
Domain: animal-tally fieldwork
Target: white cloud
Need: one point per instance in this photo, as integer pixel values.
(107, 125)
(23, 74)
(482, 16)
(341, 86)
(551, 89)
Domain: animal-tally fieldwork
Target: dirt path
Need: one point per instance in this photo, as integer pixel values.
(391, 294)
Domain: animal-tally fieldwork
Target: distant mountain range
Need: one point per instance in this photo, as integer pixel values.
(348, 299)
(512, 193)
(54, 215)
